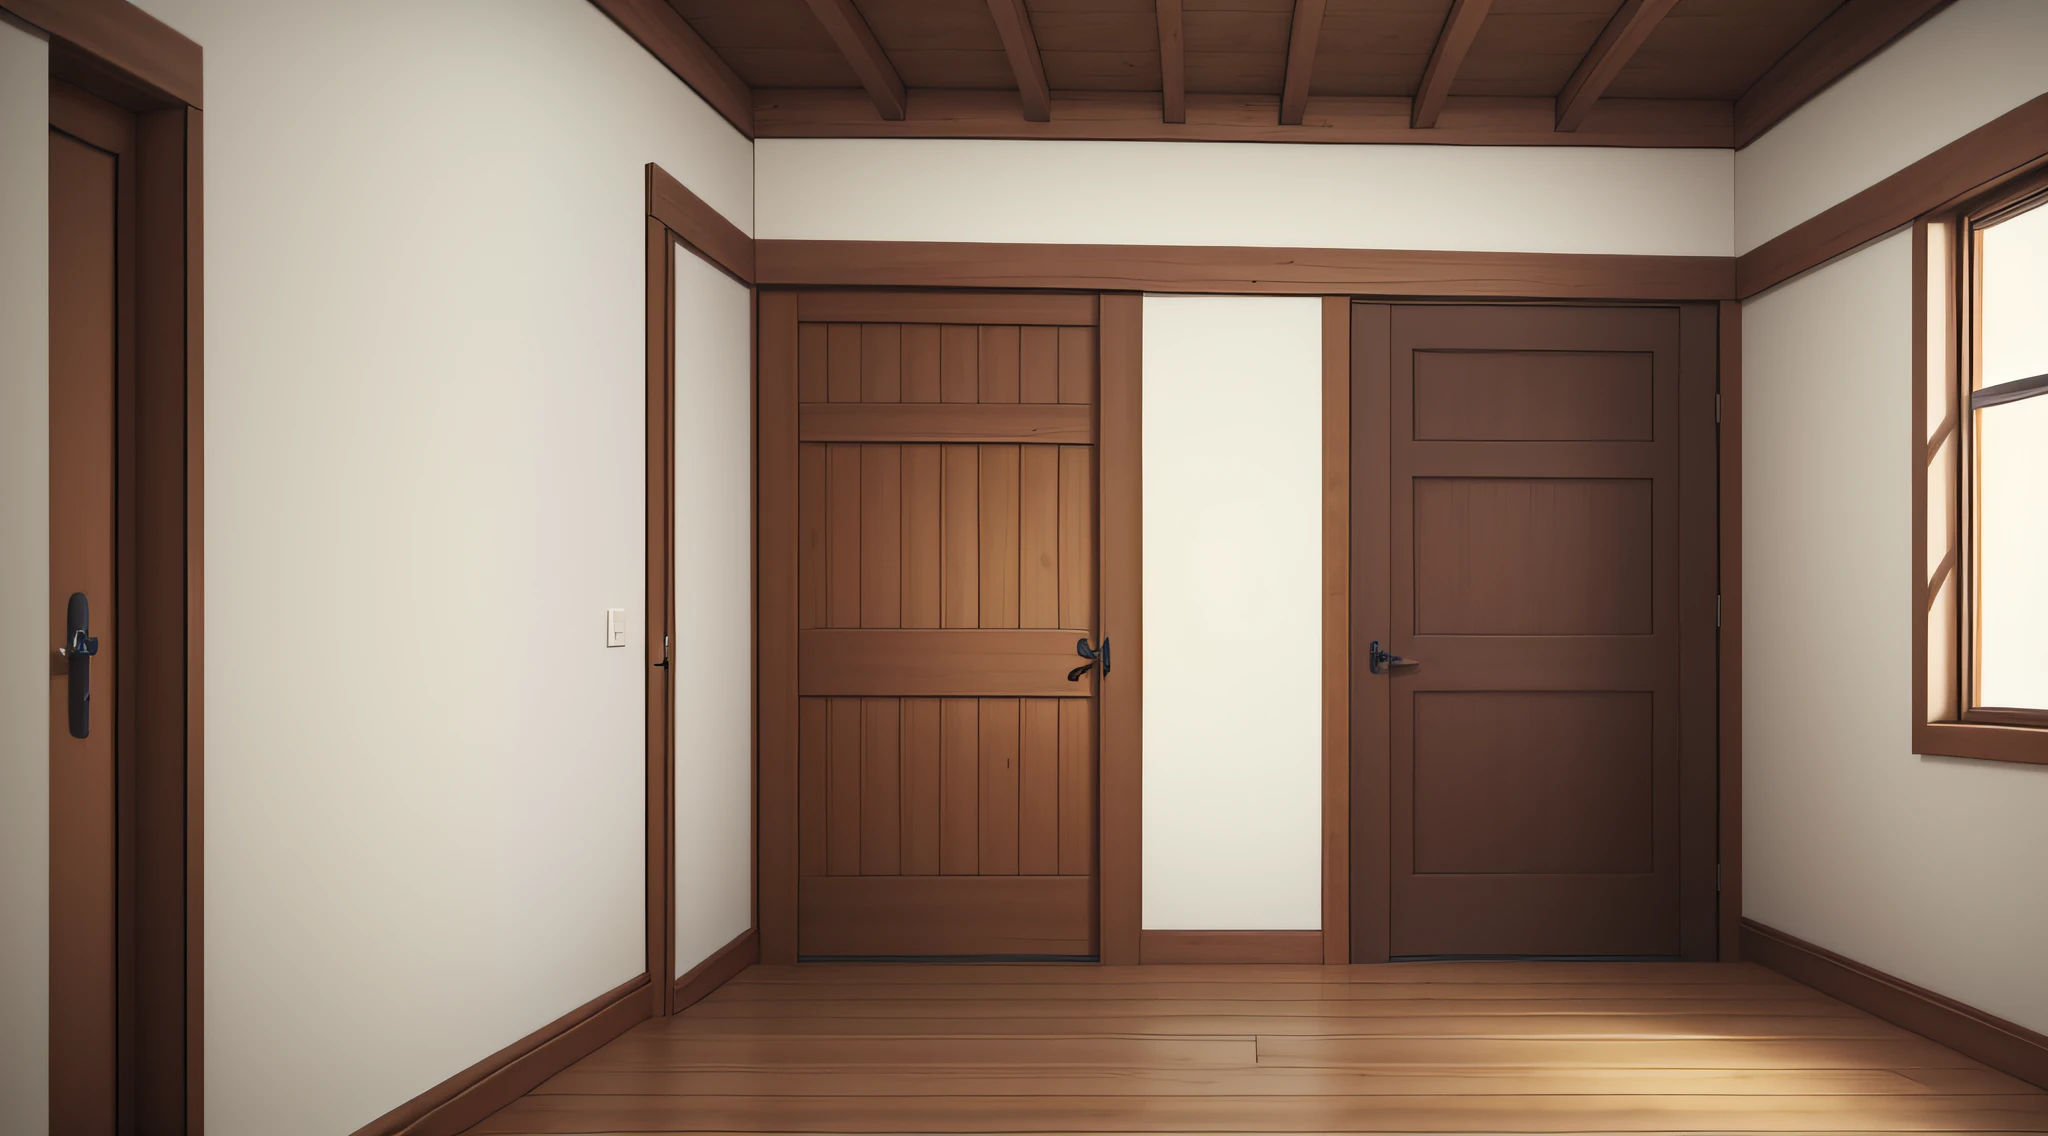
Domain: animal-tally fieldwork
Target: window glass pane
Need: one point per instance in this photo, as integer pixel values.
(2012, 468)
(2015, 299)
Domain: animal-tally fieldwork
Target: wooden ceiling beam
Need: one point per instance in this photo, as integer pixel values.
(1173, 65)
(1618, 43)
(1301, 59)
(863, 52)
(1461, 27)
(1851, 34)
(1013, 23)
(669, 38)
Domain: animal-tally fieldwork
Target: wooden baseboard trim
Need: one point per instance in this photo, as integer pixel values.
(1230, 947)
(2003, 1045)
(460, 1101)
(717, 970)
(1233, 269)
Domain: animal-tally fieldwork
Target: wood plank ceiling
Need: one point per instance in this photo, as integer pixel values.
(1562, 72)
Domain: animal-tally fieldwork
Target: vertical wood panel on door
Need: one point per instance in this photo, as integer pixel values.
(1540, 798)
(946, 547)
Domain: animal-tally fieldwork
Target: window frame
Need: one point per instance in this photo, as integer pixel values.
(1947, 338)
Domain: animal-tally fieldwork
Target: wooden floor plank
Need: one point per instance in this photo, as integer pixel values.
(1531, 1113)
(1611, 1048)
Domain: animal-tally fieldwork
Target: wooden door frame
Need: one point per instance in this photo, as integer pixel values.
(1357, 915)
(1118, 812)
(679, 219)
(117, 52)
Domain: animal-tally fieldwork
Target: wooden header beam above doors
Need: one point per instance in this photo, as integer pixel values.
(1452, 72)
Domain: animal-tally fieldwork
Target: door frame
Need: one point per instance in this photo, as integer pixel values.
(1119, 495)
(680, 220)
(116, 52)
(1356, 502)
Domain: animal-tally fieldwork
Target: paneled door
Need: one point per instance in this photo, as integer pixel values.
(946, 578)
(1549, 785)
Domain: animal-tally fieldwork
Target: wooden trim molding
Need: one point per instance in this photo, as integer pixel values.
(744, 951)
(1135, 116)
(1279, 271)
(1371, 592)
(2003, 1045)
(775, 777)
(1729, 726)
(1120, 809)
(2006, 146)
(1232, 947)
(1850, 35)
(1336, 935)
(466, 1098)
(140, 49)
(1461, 27)
(1302, 36)
(697, 224)
(670, 38)
(1624, 35)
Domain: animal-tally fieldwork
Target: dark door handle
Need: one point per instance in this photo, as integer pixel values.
(1082, 649)
(78, 649)
(1381, 662)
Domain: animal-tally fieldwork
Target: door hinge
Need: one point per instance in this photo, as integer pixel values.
(1717, 409)
(1717, 877)
(1717, 611)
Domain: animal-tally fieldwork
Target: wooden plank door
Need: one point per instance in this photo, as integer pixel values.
(946, 570)
(1533, 540)
(91, 203)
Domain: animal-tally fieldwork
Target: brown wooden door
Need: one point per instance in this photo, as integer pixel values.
(1537, 804)
(946, 569)
(88, 198)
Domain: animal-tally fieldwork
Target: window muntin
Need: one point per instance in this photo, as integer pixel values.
(2009, 475)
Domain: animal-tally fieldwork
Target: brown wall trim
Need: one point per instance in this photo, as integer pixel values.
(698, 225)
(1841, 43)
(489, 1085)
(717, 970)
(1138, 116)
(2003, 1045)
(1730, 725)
(1281, 271)
(668, 37)
(1336, 936)
(1305, 947)
(2006, 145)
(1120, 812)
(135, 45)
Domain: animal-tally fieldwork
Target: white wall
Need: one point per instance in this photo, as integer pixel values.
(1232, 419)
(425, 272)
(1961, 69)
(1484, 198)
(24, 581)
(1926, 868)
(712, 659)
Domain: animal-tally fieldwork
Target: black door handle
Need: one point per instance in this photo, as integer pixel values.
(1082, 649)
(1381, 662)
(78, 649)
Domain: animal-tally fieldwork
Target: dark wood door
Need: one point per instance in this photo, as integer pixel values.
(946, 570)
(1536, 799)
(89, 144)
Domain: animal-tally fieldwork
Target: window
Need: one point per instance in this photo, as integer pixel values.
(1981, 509)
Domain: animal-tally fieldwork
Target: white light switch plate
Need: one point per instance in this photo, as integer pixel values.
(615, 627)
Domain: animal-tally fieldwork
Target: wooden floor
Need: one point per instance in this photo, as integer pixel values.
(1412, 1047)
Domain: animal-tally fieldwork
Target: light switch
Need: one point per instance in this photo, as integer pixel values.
(615, 627)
